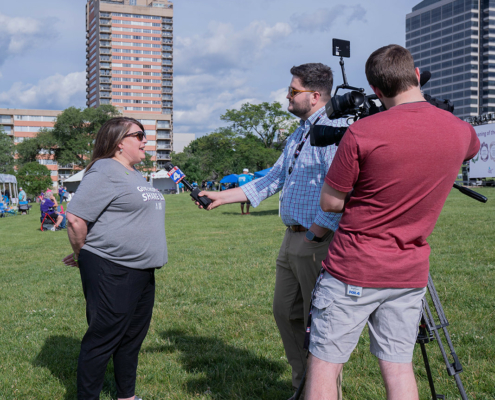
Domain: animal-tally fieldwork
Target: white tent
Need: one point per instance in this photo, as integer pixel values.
(11, 182)
(72, 183)
(161, 181)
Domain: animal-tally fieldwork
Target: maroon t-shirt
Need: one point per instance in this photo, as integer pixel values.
(402, 164)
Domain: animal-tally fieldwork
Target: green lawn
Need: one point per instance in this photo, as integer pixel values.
(213, 335)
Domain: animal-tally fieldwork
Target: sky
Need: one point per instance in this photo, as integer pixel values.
(226, 52)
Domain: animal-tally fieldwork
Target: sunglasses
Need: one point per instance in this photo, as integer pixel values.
(293, 92)
(140, 135)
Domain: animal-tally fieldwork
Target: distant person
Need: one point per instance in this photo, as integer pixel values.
(117, 256)
(181, 187)
(203, 185)
(22, 198)
(22, 195)
(49, 206)
(242, 180)
(195, 184)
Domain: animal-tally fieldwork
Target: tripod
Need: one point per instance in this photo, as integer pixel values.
(429, 330)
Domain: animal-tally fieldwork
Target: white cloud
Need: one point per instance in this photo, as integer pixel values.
(57, 91)
(280, 95)
(18, 34)
(324, 19)
(222, 48)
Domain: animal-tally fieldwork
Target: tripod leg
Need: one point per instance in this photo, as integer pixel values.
(428, 373)
(301, 386)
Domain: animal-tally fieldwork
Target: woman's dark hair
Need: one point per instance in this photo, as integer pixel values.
(109, 136)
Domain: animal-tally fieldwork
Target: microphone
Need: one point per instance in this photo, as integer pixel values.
(424, 78)
(178, 176)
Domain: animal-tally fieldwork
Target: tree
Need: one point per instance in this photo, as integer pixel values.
(222, 153)
(29, 149)
(6, 153)
(268, 121)
(34, 177)
(75, 131)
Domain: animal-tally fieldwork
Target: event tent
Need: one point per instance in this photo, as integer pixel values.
(11, 182)
(230, 179)
(262, 173)
(72, 183)
(161, 181)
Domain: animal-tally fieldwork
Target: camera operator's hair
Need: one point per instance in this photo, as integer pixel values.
(391, 69)
(109, 136)
(315, 76)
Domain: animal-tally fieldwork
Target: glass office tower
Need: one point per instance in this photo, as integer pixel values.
(454, 40)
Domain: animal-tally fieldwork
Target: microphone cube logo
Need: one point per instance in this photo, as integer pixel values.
(176, 174)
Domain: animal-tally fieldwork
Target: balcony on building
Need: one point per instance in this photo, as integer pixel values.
(105, 58)
(104, 101)
(105, 22)
(66, 166)
(163, 125)
(104, 43)
(163, 145)
(105, 72)
(106, 95)
(163, 155)
(105, 36)
(167, 34)
(105, 80)
(167, 41)
(163, 135)
(105, 65)
(105, 87)
(167, 27)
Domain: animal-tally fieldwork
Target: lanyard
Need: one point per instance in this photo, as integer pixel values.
(300, 146)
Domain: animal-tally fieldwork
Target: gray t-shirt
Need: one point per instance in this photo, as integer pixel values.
(125, 214)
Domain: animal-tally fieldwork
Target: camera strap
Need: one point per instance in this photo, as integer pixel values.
(300, 146)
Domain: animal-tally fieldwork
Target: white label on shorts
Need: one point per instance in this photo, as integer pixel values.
(354, 290)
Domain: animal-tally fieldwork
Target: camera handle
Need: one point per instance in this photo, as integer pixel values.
(345, 85)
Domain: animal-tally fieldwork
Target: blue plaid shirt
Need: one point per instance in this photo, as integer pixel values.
(300, 200)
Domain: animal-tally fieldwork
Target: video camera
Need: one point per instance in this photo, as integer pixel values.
(355, 104)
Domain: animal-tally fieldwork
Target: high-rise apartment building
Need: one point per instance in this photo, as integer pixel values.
(130, 65)
(455, 41)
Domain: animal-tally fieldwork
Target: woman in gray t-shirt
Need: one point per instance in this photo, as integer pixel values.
(117, 232)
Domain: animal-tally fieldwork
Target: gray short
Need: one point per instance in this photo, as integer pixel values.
(393, 317)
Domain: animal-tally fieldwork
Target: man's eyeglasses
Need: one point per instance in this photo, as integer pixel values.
(140, 135)
(293, 92)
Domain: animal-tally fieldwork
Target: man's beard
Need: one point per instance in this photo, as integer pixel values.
(300, 109)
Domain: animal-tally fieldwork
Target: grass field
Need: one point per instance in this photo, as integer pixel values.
(213, 335)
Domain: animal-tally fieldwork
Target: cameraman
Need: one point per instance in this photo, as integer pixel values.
(299, 172)
(398, 168)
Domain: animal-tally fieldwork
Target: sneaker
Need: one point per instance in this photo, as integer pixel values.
(53, 228)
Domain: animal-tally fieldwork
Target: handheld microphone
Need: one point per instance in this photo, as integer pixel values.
(178, 176)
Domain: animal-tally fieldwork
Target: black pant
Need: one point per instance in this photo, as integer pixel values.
(119, 304)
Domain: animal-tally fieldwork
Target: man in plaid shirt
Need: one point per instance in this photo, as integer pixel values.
(299, 173)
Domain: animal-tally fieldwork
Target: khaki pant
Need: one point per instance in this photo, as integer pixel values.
(298, 266)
